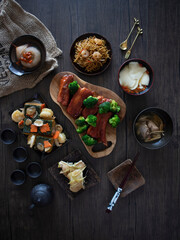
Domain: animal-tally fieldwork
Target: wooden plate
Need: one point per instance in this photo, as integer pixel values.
(110, 132)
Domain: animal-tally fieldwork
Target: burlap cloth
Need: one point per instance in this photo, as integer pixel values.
(14, 22)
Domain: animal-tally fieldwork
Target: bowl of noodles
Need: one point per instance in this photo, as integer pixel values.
(91, 54)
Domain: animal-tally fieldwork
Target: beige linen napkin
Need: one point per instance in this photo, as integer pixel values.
(14, 22)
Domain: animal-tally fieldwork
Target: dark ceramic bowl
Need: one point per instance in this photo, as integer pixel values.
(168, 128)
(149, 69)
(18, 177)
(82, 70)
(20, 154)
(19, 69)
(33, 169)
(8, 136)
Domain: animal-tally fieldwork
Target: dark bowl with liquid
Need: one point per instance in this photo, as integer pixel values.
(19, 69)
(167, 127)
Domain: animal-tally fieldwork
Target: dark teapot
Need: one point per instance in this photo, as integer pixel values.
(41, 195)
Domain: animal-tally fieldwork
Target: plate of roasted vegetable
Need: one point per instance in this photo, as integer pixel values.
(39, 124)
(94, 111)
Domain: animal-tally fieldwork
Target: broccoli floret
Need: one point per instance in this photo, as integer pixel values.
(90, 101)
(80, 121)
(118, 109)
(73, 87)
(114, 106)
(104, 107)
(89, 141)
(114, 121)
(91, 120)
(82, 129)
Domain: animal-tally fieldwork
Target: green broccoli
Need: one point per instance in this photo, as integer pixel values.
(82, 129)
(114, 107)
(80, 121)
(91, 120)
(73, 87)
(104, 107)
(90, 101)
(114, 121)
(89, 141)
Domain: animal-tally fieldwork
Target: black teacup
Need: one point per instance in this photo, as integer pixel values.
(8, 136)
(18, 177)
(20, 154)
(33, 169)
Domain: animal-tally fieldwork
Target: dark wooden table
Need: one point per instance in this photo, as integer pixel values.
(151, 212)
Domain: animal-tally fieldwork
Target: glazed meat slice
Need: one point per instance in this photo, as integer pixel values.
(76, 104)
(93, 110)
(99, 132)
(63, 95)
(103, 125)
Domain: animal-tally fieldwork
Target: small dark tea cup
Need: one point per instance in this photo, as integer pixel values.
(20, 154)
(34, 169)
(8, 136)
(18, 177)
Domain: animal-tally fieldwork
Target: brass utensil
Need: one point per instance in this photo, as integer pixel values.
(123, 45)
(128, 53)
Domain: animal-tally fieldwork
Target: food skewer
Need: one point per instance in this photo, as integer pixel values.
(119, 190)
(128, 53)
(123, 45)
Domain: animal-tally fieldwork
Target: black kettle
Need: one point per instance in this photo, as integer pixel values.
(41, 195)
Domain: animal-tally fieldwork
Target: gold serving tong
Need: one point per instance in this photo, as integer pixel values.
(123, 45)
(139, 31)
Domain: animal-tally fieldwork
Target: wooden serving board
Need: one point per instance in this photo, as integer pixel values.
(110, 132)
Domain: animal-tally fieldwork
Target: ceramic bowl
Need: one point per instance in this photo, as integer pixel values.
(8, 136)
(18, 177)
(144, 64)
(168, 128)
(82, 70)
(33, 169)
(18, 69)
(20, 154)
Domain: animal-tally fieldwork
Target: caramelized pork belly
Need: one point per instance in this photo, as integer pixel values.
(99, 132)
(93, 110)
(63, 95)
(76, 104)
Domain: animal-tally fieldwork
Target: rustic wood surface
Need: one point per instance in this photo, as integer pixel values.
(110, 132)
(152, 211)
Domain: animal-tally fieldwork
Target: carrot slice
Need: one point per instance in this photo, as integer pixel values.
(33, 128)
(31, 116)
(21, 122)
(56, 134)
(45, 128)
(43, 106)
(47, 144)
